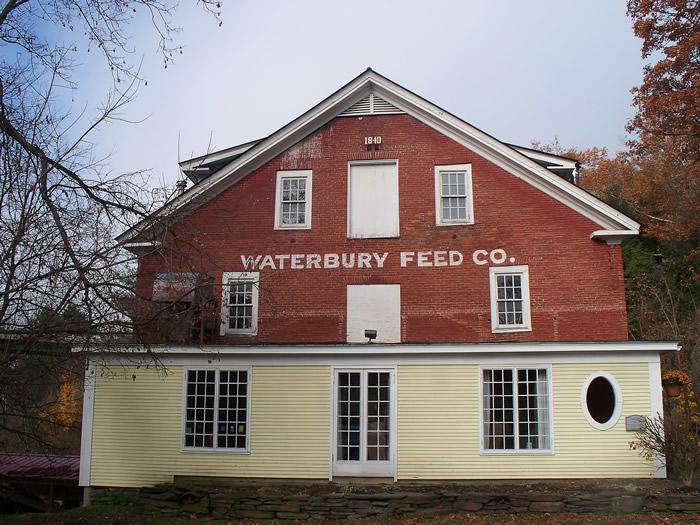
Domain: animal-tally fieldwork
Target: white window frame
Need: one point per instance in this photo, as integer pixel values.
(469, 219)
(494, 272)
(215, 448)
(253, 277)
(550, 411)
(363, 467)
(617, 411)
(293, 174)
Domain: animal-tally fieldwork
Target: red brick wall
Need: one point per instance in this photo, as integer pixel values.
(576, 284)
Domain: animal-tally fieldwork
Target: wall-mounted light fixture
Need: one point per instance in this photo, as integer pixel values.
(370, 334)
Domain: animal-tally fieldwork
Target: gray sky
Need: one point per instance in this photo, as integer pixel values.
(518, 70)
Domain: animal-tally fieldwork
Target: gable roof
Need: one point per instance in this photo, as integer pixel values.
(236, 163)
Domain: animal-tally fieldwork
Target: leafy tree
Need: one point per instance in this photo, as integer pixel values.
(667, 122)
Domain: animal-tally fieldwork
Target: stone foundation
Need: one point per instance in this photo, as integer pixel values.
(299, 502)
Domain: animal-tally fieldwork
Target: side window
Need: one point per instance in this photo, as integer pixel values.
(510, 299)
(516, 409)
(293, 200)
(601, 400)
(239, 303)
(373, 200)
(217, 411)
(374, 307)
(453, 195)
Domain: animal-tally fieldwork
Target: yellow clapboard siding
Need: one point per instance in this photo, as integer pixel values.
(137, 428)
(439, 435)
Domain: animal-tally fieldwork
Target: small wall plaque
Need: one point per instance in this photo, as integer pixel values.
(634, 423)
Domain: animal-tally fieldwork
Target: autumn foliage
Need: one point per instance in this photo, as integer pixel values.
(656, 181)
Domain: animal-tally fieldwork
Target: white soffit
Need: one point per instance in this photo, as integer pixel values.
(461, 132)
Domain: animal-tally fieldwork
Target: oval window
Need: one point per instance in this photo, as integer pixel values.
(601, 400)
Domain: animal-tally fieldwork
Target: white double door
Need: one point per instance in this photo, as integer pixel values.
(364, 433)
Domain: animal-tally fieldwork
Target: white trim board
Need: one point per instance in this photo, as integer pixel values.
(392, 349)
(657, 409)
(506, 157)
(86, 428)
(597, 358)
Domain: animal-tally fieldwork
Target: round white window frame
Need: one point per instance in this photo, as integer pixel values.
(617, 411)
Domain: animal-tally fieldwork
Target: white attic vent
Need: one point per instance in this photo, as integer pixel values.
(371, 105)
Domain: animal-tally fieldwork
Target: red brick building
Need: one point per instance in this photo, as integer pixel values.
(417, 276)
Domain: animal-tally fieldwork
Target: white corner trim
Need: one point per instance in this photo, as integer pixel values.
(494, 272)
(657, 410)
(86, 426)
(469, 219)
(613, 236)
(307, 174)
(617, 411)
(239, 276)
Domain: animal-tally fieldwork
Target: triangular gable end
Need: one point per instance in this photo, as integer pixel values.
(376, 94)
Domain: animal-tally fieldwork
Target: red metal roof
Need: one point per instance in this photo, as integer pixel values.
(40, 466)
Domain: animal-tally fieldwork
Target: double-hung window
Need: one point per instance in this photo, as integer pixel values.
(239, 311)
(453, 195)
(516, 409)
(217, 409)
(510, 299)
(293, 200)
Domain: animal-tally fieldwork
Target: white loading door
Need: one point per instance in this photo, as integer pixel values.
(373, 200)
(364, 423)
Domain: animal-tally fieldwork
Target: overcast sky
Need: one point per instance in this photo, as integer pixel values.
(518, 70)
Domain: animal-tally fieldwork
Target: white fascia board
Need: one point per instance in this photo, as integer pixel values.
(613, 236)
(561, 162)
(141, 248)
(395, 349)
(481, 143)
(192, 164)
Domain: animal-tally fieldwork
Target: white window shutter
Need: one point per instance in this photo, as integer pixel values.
(373, 201)
(374, 307)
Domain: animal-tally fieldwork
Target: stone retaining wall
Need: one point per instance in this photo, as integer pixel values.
(299, 503)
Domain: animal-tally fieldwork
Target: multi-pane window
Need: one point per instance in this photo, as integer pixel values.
(510, 298)
(240, 303)
(216, 409)
(363, 422)
(453, 195)
(516, 413)
(293, 201)
(378, 399)
(349, 426)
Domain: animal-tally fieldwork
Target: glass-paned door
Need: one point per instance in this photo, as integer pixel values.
(363, 423)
